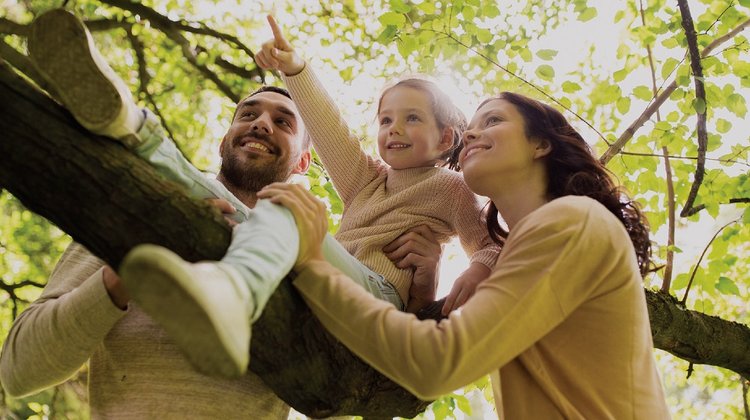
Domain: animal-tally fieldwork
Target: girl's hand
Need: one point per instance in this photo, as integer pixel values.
(278, 54)
(464, 286)
(310, 215)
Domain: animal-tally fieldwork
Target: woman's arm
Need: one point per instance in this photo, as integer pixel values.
(547, 270)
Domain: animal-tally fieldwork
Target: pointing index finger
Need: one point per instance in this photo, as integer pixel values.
(278, 37)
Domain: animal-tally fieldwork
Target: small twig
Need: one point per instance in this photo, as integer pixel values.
(737, 162)
(718, 18)
(667, 277)
(700, 259)
(701, 207)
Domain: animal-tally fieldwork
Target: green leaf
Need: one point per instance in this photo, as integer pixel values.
(699, 105)
(745, 3)
(570, 87)
(428, 7)
(490, 10)
(468, 12)
(386, 37)
(669, 65)
(546, 72)
(643, 92)
(736, 104)
(620, 75)
(663, 126)
(588, 14)
(525, 54)
(392, 18)
(623, 104)
(399, 6)
(462, 403)
(406, 45)
(671, 43)
(546, 54)
(727, 286)
(723, 126)
(484, 35)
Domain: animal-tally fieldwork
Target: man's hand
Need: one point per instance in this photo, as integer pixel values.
(226, 209)
(464, 286)
(417, 249)
(278, 54)
(114, 287)
(310, 215)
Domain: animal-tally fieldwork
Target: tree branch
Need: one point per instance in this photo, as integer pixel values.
(125, 202)
(621, 141)
(700, 104)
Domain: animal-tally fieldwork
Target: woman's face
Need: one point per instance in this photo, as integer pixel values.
(496, 150)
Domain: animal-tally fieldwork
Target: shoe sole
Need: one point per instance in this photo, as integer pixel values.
(59, 46)
(152, 277)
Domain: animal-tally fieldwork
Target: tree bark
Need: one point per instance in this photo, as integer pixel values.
(110, 200)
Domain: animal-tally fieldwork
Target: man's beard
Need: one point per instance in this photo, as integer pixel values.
(251, 176)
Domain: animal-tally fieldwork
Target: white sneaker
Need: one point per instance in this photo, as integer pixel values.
(64, 53)
(204, 307)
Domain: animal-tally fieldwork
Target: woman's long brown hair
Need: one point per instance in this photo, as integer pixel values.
(573, 170)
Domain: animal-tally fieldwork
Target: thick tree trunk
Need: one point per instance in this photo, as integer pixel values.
(110, 200)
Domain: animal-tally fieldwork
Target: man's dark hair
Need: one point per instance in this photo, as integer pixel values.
(274, 89)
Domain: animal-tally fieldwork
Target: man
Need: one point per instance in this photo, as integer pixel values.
(136, 367)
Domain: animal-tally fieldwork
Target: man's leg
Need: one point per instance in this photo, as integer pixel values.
(63, 51)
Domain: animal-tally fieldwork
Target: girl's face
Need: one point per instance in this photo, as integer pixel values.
(496, 150)
(409, 136)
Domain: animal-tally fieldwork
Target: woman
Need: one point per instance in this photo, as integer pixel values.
(561, 324)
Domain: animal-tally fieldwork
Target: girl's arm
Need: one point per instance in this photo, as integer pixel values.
(468, 223)
(349, 167)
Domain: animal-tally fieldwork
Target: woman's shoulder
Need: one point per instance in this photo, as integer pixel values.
(573, 210)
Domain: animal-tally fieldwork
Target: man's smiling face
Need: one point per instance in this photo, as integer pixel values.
(265, 142)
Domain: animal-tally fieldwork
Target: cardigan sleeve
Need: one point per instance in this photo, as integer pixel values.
(547, 268)
(58, 332)
(470, 226)
(349, 166)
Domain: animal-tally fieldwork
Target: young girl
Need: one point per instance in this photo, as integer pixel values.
(419, 134)
(561, 324)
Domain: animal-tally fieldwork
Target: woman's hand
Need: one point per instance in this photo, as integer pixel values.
(310, 215)
(417, 249)
(278, 54)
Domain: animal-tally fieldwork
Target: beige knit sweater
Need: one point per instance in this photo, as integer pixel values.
(381, 203)
(561, 324)
(135, 370)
